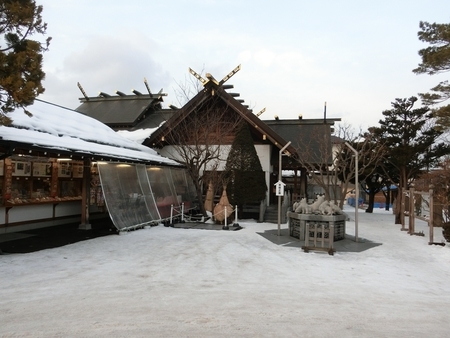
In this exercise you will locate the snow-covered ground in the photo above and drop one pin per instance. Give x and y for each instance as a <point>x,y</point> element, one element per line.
<point>168,282</point>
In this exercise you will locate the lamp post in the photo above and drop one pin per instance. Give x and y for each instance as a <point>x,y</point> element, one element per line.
<point>279,181</point>
<point>356,189</point>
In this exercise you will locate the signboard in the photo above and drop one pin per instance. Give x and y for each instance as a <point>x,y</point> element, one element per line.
<point>43,169</point>
<point>77,169</point>
<point>279,188</point>
<point>21,168</point>
<point>64,169</point>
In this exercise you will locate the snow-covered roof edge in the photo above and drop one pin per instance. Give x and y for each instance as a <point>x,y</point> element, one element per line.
<point>55,127</point>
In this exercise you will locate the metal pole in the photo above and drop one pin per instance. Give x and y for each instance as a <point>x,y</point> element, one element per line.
<point>182,212</point>
<point>431,219</point>
<point>279,180</point>
<point>356,189</point>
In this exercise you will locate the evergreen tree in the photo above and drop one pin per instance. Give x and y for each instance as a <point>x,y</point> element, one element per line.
<point>243,171</point>
<point>21,72</point>
<point>372,178</point>
<point>435,60</point>
<point>372,184</point>
<point>411,142</point>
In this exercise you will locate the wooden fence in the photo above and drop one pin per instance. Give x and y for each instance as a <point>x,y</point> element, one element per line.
<point>420,205</point>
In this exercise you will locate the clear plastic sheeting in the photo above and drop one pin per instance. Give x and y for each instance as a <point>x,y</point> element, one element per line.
<point>147,192</point>
<point>184,187</point>
<point>124,196</point>
<point>160,179</point>
<point>137,195</point>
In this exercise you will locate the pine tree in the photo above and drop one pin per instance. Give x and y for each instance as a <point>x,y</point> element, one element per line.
<point>372,184</point>
<point>411,142</point>
<point>243,171</point>
<point>21,72</point>
<point>435,60</point>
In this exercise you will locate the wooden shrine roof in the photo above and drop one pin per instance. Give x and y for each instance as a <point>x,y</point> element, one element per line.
<point>121,111</point>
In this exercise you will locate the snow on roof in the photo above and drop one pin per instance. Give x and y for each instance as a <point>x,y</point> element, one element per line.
<point>138,135</point>
<point>55,127</point>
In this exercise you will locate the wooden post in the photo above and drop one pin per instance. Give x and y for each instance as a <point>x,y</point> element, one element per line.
<point>7,184</point>
<point>85,196</point>
<point>402,208</point>
<point>411,214</point>
<point>54,179</point>
<point>295,194</point>
<point>303,183</point>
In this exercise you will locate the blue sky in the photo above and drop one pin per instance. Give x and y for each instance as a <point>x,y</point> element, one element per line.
<point>357,56</point>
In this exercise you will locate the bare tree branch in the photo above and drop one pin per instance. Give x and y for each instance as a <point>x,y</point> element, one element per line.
<point>330,163</point>
<point>201,141</point>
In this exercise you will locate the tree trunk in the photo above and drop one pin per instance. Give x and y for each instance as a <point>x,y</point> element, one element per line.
<point>199,192</point>
<point>388,198</point>
<point>201,203</point>
<point>344,190</point>
<point>398,208</point>
<point>371,201</point>
<point>401,188</point>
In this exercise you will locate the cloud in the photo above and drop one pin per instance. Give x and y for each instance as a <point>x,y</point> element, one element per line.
<point>106,64</point>
<point>116,60</point>
<point>264,57</point>
<point>244,56</point>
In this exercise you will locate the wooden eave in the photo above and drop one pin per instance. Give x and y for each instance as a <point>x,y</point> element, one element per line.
<point>110,109</point>
<point>213,89</point>
<point>155,139</point>
<point>10,148</point>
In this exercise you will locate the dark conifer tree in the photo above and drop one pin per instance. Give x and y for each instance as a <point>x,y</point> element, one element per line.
<point>436,60</point>
<point>411,142</point>
<point>243,171</point>
<point>21,72</point>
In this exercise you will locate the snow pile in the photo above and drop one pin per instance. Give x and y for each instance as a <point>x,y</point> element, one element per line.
<point>169,282</point>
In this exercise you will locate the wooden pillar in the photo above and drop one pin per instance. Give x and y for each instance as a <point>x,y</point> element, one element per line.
<point>7,180</point>
<point>85,196</point>
<point>54,179</point>
<point>303,182</point>
<point>7,184</point>
<point>295,192</point>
